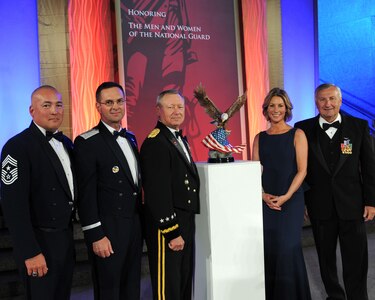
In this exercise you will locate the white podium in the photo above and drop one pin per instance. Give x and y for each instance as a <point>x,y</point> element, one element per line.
<point>229,233</point>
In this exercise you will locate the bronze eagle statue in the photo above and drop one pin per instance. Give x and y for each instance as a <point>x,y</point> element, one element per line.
<point>220,150</point>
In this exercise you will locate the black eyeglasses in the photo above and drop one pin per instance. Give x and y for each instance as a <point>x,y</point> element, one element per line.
<point>110,103</point>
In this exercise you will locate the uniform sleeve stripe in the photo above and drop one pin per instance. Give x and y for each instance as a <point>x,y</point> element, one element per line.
<point>88,227</point>
<point>169,229</point>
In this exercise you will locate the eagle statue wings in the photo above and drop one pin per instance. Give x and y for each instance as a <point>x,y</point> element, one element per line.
<point>219,118</point>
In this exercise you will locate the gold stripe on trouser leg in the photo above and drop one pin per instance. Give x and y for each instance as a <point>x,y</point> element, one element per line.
<point>161,266</point>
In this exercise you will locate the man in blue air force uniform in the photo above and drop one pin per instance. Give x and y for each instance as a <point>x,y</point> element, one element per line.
<point>110,197</point>
<point>37,195</point>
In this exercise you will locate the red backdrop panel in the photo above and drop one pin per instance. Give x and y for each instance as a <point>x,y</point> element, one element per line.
<point>256,63</point>
<point>179,44</point>
<point>91,58</point>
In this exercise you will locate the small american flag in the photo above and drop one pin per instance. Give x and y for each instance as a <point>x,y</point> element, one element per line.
<point>210,142</point>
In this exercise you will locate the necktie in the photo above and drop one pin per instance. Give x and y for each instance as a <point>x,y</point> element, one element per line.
<point>125,146</point>
<point>58,135</point>
<point>334,124</point>
<point>178,134</point>
<point>184,144</point>
<point>122,133</point>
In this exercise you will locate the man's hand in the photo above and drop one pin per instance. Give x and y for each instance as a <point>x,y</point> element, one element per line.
<point>369,213</point>
<point>102,248</point>
<point>177,244</point>
<point>36,266</point>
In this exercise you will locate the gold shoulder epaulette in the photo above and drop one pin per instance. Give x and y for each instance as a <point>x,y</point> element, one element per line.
<point>154,133</point>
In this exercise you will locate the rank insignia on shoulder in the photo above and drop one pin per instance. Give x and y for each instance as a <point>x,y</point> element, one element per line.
<point>9,170</point>
<point>154,133</point>
<point>86,135</point>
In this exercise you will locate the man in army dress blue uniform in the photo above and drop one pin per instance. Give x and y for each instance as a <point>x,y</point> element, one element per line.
<point>171,187</point>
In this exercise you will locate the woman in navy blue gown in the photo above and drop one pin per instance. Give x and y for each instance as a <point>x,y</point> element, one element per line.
<point>282,152</point>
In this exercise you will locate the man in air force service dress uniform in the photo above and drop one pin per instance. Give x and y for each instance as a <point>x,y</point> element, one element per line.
<point>110,198</point>
<point>37,194</point>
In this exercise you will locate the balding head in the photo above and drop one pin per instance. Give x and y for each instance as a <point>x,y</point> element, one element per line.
<point>46,107</point>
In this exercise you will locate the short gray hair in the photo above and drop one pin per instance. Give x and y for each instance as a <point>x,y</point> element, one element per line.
<point>167,92</point>
<point>326,86</point>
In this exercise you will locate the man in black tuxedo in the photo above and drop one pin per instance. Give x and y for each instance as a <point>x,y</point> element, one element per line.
<point>171,187</point>
<point>341,194</point>
<point>37,193</point>
<point>109,186</point>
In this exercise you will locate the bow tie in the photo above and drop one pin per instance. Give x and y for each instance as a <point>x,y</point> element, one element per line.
<point>58,135</point>
<point>334,124</point>
<point>122,133</point>
<point>178,134</point>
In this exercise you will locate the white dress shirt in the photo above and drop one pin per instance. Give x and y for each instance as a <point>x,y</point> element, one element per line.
<point>128,152</point>
<point>332,130</point>
<point>181,142</point>
<point>63,155</point>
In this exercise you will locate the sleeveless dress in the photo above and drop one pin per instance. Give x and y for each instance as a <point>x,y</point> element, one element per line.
<point>285,270</point>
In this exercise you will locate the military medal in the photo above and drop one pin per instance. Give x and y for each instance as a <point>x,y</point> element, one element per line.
<point>115,169</point>
<point>346,146</point>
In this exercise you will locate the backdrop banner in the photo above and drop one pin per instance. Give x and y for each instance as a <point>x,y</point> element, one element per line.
<point>179,44</point>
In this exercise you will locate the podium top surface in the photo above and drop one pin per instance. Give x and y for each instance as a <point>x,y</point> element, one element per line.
<point>203,164</point>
